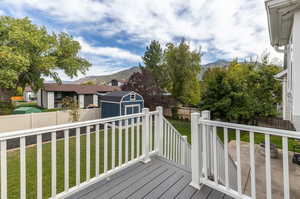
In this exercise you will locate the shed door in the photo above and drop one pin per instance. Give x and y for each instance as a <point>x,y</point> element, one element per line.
<point>132,109</point>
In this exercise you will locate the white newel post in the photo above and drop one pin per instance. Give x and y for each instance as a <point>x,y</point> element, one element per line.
<point>196,150</point>
<point>209,140</point>
<point>159,130</point>
<point>146,140</point>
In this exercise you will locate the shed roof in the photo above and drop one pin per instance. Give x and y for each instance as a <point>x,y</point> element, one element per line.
<point>115,96</point>
<point>79,89</point>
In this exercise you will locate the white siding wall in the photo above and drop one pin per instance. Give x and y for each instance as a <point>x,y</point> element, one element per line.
<point>50,100</point>
<point>296,70</point>
<point>81,101</point>
<point>95,100</point>
<point>39,98</point>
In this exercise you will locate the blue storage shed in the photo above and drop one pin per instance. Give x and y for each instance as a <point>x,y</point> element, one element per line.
<point>119,103</point>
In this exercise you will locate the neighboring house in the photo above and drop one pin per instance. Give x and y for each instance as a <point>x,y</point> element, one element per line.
<point>115,82</point>
<point>51,95</point>
<point>284,29</point>
<point>121,103</point>
<point>29,95</point>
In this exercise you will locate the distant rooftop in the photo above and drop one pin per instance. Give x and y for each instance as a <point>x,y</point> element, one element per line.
<point>80,89</point>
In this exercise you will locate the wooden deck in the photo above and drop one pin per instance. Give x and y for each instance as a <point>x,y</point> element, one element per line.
<point>159,178</point>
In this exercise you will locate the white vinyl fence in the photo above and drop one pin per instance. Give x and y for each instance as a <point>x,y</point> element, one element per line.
<point>37,120</point>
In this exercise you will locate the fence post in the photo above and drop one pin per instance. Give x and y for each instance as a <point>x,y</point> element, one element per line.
<point>159,130</point>
<point>146,144</point>
<point>183,151</point>
<point>196,150</point>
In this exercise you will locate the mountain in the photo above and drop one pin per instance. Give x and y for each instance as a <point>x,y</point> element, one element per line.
<point>218,63</point>
<point>125,74</point>
<point>102,79</point>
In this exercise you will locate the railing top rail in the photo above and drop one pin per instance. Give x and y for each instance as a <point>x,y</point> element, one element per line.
<point>36,131</point>
<point>256,129</point>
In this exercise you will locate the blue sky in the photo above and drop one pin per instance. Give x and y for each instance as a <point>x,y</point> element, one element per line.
<point>114,33</point>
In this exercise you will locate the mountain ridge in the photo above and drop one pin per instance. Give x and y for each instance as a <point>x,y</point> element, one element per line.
<point>125,74</point>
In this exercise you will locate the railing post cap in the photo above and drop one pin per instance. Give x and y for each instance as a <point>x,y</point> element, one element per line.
<point>159,108</point>
<point>146,110</point>
<point>195,114</point>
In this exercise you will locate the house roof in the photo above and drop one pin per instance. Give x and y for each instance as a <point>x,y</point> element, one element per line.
<point>79,89</point>
<point>28,89</point>
<point>280,20</point>
<point>115,96</point>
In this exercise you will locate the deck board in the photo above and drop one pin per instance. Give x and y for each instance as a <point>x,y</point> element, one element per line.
<point>159,178</point>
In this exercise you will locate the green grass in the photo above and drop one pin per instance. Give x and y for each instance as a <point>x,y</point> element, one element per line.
<point>184,127</point>
<point>14,162</point>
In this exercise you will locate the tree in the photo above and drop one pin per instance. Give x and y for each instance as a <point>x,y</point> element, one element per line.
<point>183,68</point>
<point>89,82</point>
<point>71,105</point>
<point>242,91</point>
<point>28,53</point>
<point>153,60</point>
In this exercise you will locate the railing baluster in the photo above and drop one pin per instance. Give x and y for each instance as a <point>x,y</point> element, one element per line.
<point>39,166</point>
<point>53,164</point>
<point>138,137</point>
<point>216,177</point>
<point>150,132</point>
<point>252,165</point>
<point>268,166</point>
<point>66,159</point>
<point>204,143</point>
<point>238,160</point>
<point>105,148</point>
<point>226,157</point>
<point>165,138</point>
<point>88,152</point>
<point>285,159</point>
<point>77,156</point>
<point>132,138</point>
<point>3,170</point>
<point>126,141</point>
<point>23,167</point>
<point>120,142</point>
<point>113,145</point>
<point>97,150</point>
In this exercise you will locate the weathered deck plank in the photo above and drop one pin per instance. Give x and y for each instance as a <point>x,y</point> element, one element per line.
<point>159,178</point>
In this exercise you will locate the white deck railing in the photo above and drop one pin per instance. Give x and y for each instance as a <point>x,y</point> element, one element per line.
<point>109,145</point>
<point>175,146</point>
<point>202,128</point>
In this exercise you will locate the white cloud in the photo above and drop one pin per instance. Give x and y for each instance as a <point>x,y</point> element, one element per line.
<point>111,52</point>
<point>236,28</point>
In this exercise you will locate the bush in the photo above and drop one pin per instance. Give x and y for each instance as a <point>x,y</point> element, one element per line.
<point>6,107</point>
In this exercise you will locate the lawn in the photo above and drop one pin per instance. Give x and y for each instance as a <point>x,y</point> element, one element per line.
<point>14,162</point>
<point>184,127</point>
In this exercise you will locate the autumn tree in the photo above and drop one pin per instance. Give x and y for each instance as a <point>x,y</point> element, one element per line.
<point>28,53</point>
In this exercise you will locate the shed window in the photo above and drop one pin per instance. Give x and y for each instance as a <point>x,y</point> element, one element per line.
<point>132,97</point>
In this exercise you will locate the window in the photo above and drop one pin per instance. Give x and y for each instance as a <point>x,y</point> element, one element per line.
<point>132,97</point>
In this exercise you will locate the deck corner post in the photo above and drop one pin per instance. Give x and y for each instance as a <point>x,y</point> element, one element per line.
<point>159,133</point>
<point>196,151</point>
<point>146,137</point>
